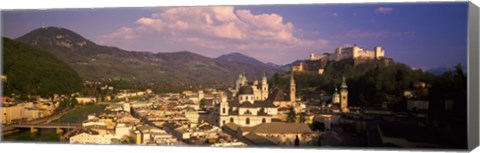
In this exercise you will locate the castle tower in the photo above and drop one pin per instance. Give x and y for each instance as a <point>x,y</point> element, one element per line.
<point>343,96</point>
<point>264,87</point>
<point>292,89</point>
<point>379,52</point>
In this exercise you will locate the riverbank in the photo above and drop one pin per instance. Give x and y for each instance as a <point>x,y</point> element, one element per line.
<point>74,115</point>
<point>80,113</point>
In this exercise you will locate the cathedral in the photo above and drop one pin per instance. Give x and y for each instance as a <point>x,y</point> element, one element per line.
<point>260,91</point>
<point>249,106</point>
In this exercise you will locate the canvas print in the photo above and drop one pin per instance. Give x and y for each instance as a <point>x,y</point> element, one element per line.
<point>376,75</point>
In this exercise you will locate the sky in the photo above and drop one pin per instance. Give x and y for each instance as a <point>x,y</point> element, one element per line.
<point>422,35</point>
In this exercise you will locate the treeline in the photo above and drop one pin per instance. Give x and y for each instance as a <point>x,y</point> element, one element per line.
<point>33,71</point>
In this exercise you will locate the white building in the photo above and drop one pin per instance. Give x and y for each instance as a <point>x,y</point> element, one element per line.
<point>260,91</point>
<point>86,100</point>
<point>26,111</point>
<point>245,109</point>
<point>352,52</point>
<point>87,138</point>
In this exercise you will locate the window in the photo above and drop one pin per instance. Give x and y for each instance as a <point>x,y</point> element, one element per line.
<point>263,120</point>
<point>223,122</point>
<point>231,120</point>
<point>247,121</point>
<point>223,110</point>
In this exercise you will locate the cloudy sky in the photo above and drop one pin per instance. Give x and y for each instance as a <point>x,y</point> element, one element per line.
<point>422,35</point>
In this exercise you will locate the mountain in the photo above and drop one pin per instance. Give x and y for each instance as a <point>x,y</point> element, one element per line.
<point>240,58</point>
<point>34,71</point>
<point>273,65</point>
<point>95,62</point>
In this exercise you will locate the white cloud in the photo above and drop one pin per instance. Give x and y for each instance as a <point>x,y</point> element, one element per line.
<point>218,28</point>
<point>124,33</point>
<point>384,10</point>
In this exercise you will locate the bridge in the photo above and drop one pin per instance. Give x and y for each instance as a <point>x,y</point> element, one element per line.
<point>48,126</point>
<point>58,126</point>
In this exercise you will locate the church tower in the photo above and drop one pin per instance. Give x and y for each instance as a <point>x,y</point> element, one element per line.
<point>238,83</point>
<point>292,89</point>
<point>343,96</point>
<point>264,87</point>
<point>336,97</point>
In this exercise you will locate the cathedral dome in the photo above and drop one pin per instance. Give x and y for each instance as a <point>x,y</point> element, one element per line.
<point>245,90</point>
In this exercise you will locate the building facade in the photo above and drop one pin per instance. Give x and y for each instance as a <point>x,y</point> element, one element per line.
<point>260,90</point>
<point>245,109</point>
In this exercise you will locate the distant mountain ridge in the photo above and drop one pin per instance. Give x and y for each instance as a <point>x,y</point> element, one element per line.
<point>241,58</point>
<point>96,62</point>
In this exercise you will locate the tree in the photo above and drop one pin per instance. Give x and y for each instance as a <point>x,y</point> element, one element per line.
<point>74,101</point>
<point>302,118</point>
<point>203,102</point>
<point>292,116</point>
<point>127,140</point>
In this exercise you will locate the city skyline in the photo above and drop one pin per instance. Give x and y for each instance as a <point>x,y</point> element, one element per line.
<point>347,75</point>
<point>409,33</point>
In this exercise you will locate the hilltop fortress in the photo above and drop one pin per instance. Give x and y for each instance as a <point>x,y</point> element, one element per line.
<point>353,52</point>
<point>318,62</point>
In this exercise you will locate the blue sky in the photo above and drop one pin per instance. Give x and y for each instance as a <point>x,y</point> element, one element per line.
<point>422,35</point>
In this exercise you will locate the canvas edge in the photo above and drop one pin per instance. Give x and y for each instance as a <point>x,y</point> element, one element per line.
<point>473,76</point>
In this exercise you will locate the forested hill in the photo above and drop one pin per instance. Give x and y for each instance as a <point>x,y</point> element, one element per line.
<point>34,71</point>
<point>374,82</point>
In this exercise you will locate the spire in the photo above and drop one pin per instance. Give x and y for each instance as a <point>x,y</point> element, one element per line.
<point>264,77</point>
<point>344,84</point>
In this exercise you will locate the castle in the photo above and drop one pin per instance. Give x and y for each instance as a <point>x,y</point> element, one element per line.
<point>317,62</point>
<point>353,52</point>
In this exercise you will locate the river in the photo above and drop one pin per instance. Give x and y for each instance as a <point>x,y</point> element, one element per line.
<point>77,115</point>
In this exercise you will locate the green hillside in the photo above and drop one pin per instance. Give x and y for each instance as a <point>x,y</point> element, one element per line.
<point>374,82</point>
<point>33,71</point>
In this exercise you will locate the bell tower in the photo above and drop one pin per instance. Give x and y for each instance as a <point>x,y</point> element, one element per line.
<point>292,89</point>
<point>343,96</point>
<point>264,87</point>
